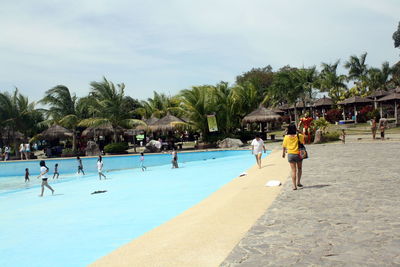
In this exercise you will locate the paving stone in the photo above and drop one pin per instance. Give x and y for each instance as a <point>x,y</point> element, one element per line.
<point>347,214</point>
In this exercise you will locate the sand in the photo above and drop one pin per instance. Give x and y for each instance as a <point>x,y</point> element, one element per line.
<point>205,234</point>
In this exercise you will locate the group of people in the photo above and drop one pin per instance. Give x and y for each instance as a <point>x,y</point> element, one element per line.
<point>382,125</point>
<point>44,169</point>
<point>24,150</point>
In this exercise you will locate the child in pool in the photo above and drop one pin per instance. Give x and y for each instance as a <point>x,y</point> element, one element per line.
<point>56,171</point>
<point>142,162</point>
<point>26,175</point>
<point>80,165</point>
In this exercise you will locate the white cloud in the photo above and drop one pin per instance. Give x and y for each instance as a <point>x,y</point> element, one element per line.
<point>157,45</point>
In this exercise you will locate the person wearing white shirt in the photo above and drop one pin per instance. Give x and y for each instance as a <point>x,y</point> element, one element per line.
<point>257,147</point>
<point>100,168</point>
<point>43,174</point>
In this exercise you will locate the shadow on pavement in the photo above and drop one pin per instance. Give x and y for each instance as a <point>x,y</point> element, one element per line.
<point>316,186</point>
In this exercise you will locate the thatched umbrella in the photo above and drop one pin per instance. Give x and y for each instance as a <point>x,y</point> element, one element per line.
<point>148,122</point>
<point>394,97</point>
<point>260,116</point>
<point>167,123</point>
<point>102,130</point>
<point>354,100</point>
<point>56,132</point>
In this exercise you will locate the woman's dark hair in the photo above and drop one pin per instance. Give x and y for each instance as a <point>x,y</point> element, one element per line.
<point>258,136</point>
<point>43,164</point>
<point>78,157</point>
<point>100,158</point>
<point>141,153</point>
<point>291,129</point>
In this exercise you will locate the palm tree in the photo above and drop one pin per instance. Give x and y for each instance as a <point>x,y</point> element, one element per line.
<point>246,98</point>
<point>196,105</point>
<point>108,104</point>
<point>159,106</point>
<point>358,70</point>
<point>378,78</point>
<point>64,109</point>
<point>18,114</point>
<point>333,83</point>
<point>226,107</point>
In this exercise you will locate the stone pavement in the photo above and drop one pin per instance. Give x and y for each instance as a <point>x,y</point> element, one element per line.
<point>348,213</point>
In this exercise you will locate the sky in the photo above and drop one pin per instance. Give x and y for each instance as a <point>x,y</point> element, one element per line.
<point>170,45</point>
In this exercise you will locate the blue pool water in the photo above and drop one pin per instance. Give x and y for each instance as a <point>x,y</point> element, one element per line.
<point>74,227</point>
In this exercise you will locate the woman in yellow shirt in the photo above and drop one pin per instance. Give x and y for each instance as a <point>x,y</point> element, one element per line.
<point>290,146</point>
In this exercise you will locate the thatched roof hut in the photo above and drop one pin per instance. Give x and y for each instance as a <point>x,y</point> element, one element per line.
<point>261,114</point>
<point>167,123</point>
<point>355,100</point>
<point>55,132</point>
<point>379,94</point>
<point>390,97</point>
<point>323,102</point>
<point>102,130</point>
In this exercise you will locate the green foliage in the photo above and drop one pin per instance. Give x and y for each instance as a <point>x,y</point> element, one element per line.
<point>260,78</point>
<point>374,114</point>
<point>333,83</point>
<point>331,136</point>
<point>321,124</point>
<point>396,37</point>
<point>116,148</point>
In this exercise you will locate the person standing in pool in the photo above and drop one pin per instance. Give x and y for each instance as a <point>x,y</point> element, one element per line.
<point>290,146</point>
<point>174,159</point>
<point>43,174</point>
<point>257,147</point>
<point>26,175</point>
<point>56,171</point>
<point>80,165</point>
<point>100,167</point>
<point>142,162</point>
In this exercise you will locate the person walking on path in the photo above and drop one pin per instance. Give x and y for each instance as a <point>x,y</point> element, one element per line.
<point>26,175</point>
<point>80,165</point>
<point>27,150</point>
<point>383,122</point>
<point>373,128</point>
<point>290,146</point>
<point>142,162</point>
<point>56,171</point>
<point>6,153</point>
<point>100,168</point>
<point>43,174</point>
<point>22,150</point>
<point>257,147</point>
<point>174,159</point>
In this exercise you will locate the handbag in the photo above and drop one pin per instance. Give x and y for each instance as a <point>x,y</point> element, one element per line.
<point>302,149</point>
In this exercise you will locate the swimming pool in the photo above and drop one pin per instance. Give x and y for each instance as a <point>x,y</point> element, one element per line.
<point>74,227</point>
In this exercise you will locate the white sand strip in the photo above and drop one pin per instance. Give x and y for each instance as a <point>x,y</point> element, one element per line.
<point>205,234</point>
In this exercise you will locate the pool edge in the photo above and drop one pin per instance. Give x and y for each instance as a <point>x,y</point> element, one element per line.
<point>206,233</point>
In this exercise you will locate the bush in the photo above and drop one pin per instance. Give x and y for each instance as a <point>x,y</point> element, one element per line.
<point>117,148</point>
<point>363,116</point>
<point>331,136</point>
<point>321,124</point>
<point>334,115</point>
<point>68,152</point>
<point>374,114</point>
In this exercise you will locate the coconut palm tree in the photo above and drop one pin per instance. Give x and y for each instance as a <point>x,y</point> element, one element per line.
<point>159,106</point>
<point>64,109</point>
<point>246,98</point>
<point>196,105</point>
<point>108,104</point>
<point>18,114</point>
<point>358,70</point>
<point>378,78</point>
<point>332,82</point>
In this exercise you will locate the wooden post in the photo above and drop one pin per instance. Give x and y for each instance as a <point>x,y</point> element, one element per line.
<point>381,111</point>
<point>344,113</point>
<point>395,110</point>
